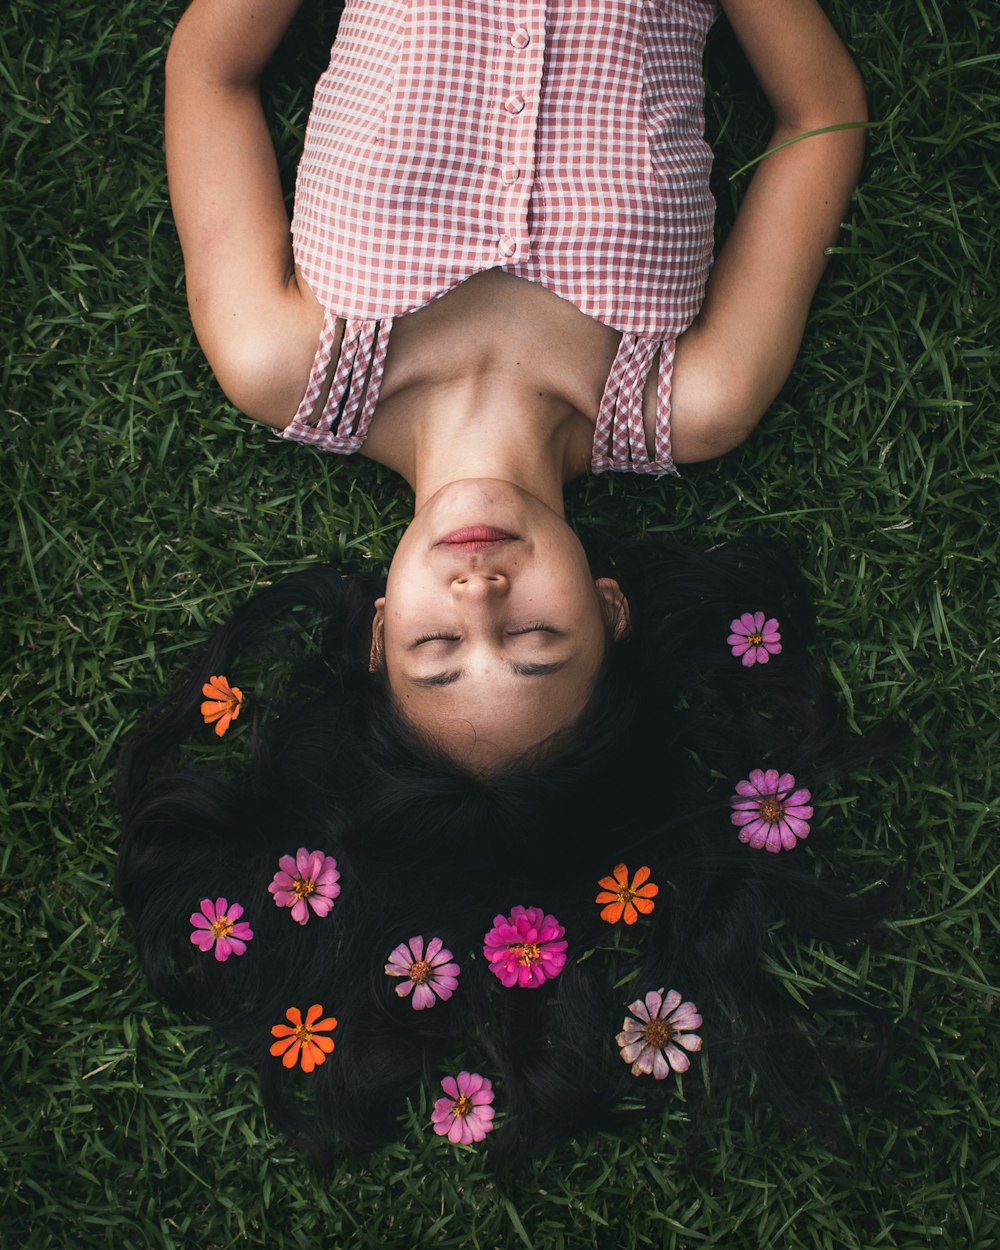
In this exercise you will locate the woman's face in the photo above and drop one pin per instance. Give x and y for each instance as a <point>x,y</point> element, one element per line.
<point>492,630</point>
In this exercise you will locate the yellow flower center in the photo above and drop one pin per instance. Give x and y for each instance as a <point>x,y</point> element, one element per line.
<point>527,953</point>
<point>657,1033</point>
<point>625,894</point>
<point>222,926</point>
<point>303,1034</point>
<point>771,809</point>
<point>303,887</point>
<point>420,972</point>
<point>755,639</point>
<point>463,1105</point>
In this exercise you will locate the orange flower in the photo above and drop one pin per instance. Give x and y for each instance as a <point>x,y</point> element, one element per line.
<point>222,703</point>
<point>625,899</point>
<point>303,1037</point>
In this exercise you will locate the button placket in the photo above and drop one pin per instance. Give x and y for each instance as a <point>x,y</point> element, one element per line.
<point>521,105</point>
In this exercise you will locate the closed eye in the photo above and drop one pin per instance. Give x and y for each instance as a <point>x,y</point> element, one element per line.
<point>511,633</point>
<point>534,629</point>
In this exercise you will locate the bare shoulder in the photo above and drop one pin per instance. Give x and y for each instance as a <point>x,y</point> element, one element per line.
<point>261,350</point>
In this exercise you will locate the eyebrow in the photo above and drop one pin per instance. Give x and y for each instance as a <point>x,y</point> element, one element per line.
<point>449,676</point>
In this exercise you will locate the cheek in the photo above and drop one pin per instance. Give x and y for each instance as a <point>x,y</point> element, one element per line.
<point>572,598</point>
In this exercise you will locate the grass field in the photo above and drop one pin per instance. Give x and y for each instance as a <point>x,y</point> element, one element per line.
<point>140,507</point>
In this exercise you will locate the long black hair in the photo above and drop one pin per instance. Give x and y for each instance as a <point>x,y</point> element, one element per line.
<point>322,760</point>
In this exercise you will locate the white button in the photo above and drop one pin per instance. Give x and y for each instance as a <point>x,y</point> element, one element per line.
<point>514,103</point>
<point>509,174</point>
<point>506,247</point>
<point>520,38</point>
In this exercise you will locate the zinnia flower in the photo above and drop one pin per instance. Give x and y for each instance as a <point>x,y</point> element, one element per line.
<point>524,948</point>
<point>771,812</point>
<point>303,1038</point>
<point>624,899</point>
<point>222,703</point>
<point>652,1036</point>
<point>309,880</point>
<point>216,925</point>
<point>754,638</point>
<point>426,974</point>
<point>466,1114</point>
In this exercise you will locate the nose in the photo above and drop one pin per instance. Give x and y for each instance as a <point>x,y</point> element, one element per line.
<point>480,587</point>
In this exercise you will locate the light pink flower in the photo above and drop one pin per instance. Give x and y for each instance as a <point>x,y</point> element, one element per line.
<point>754,638</point>
<point>309,880</point>
<point>466,1114</point>
<point>427,973</point>
<point>216,925</point>
<point>771,813</point>
<point>652,1037</point>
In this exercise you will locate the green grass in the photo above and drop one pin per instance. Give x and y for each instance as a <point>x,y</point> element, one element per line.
<point>140,508</point>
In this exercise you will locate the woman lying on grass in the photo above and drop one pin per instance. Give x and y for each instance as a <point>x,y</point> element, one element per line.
<point>512,744</point>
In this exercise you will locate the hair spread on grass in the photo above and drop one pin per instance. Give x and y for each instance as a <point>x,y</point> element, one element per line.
<point>425,848</point>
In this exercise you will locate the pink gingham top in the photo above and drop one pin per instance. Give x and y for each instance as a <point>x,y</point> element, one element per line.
<point>558,140</point>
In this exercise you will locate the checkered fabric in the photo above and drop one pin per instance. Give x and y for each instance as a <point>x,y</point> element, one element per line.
<point>559,140</point>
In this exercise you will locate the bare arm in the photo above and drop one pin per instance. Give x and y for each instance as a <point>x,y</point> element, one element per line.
<point>734,359</point>
<point>257,325</point>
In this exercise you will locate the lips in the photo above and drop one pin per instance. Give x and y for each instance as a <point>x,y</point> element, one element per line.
<point>476,538</point>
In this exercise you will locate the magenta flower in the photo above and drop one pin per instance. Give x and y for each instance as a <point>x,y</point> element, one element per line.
<point>309,880</point>
<point>754,638</point>
<point>466,1115</point>
<point>218,924</point>
<point>652,1037</point>
<point>771,813</point>
<point>427,973</point>
<point>524,948</point>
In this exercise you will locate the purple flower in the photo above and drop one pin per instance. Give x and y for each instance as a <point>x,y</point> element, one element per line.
<point>771,813</point>
<point>428,973</point>
<point>466,1114</point>
<point>754,638</point>
<point>524,948</point>
<point>652,1037</point>
<point>216,925</point>
<point>309,880</point>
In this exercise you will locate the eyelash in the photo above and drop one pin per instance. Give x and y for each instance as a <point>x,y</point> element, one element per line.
<point>537,628</point>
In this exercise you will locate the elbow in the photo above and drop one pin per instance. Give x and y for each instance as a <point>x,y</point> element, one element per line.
<point>852,101</point>
<point>836,98</point>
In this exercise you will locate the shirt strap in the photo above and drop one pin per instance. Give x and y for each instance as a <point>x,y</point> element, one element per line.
<point>619,436</point>
<point>343,423</point>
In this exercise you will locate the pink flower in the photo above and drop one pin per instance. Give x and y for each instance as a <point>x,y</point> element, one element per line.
<point>754,638</point>
<point>650,1042</point>
<point>216,925</point>
<point>427,973</point>
<point>309,880</point>
<point>524,947</point>
<point>466,1114</point>
<point>769,813</point>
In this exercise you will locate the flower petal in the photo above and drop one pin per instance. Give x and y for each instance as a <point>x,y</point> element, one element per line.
<point>677,1059</point>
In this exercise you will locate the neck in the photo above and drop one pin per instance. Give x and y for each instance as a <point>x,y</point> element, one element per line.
<point>477,428</point>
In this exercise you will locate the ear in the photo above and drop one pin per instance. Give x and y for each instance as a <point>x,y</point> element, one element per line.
<point>616,607</point>
<point>378,627</point>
